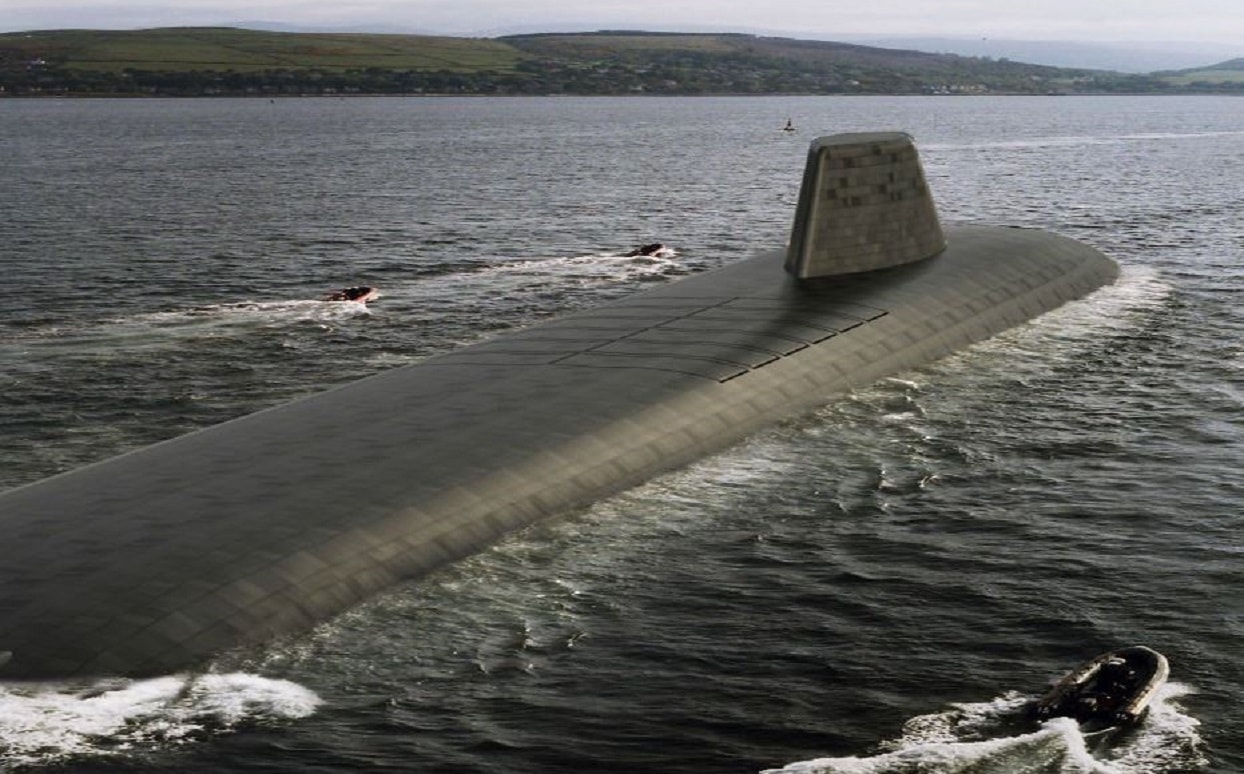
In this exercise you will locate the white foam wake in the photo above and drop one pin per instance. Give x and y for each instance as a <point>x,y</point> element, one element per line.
<point>957,741</point>
<point>252,313</point>
<point>46,723</point>
<point>616,267</point>
<point>172,329</point>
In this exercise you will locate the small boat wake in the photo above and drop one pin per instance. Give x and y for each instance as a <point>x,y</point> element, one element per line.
<point>45,724</point>
<point>174,327</point>
<point>971,738</point>
<point>249,314</point>
<point>644,261</point>
<point>558,275</point>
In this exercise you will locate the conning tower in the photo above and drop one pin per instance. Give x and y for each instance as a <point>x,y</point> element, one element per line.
<point>864,205</point>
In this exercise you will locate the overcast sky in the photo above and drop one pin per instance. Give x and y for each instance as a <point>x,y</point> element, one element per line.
<point>1220,21</point>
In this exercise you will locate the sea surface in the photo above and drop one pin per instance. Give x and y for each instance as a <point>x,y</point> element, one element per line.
<point>877,586</point>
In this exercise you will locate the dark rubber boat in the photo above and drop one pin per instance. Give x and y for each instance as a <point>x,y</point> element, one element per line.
<point>360,294</point>
<point>1111,691</point>
<point>654,250</point>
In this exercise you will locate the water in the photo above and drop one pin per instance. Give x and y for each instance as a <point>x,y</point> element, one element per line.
<point>875,587</point>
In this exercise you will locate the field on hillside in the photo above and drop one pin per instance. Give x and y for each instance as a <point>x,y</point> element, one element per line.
<point>223,49</point>
<point>1205,76</point>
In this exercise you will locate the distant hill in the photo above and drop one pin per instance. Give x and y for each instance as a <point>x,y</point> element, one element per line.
<point>1145,57</point>
<point>216,61</point>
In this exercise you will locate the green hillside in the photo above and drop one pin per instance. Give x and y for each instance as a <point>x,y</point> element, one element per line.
<point>636,46</point>
<point>226,61</point>
<point>733,63</point>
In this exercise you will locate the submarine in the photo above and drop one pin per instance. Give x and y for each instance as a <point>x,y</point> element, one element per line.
<point>153,561</point>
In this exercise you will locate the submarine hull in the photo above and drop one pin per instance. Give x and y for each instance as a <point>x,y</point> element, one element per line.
<point>269,524</point>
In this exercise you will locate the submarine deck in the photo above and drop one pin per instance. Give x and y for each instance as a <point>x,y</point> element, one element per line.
<point>155,560</point>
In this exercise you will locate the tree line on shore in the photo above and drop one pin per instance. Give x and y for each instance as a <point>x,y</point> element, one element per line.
<point>532,79</point>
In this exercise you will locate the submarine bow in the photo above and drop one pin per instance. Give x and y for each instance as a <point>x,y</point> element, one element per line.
<point>271,523</point>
